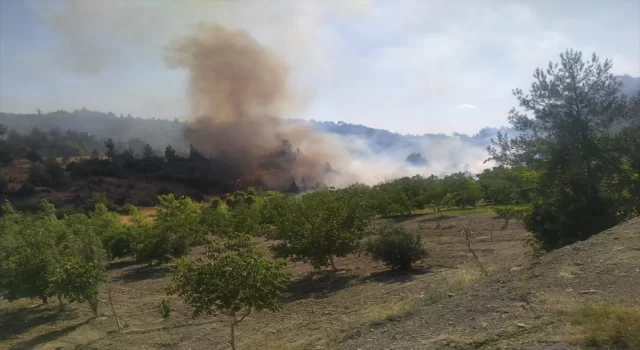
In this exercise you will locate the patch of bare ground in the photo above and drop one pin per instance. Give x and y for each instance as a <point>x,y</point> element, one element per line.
<point>362,306</point>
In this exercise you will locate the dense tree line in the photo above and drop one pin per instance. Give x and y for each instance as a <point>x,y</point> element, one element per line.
<point>38,144</point>
<point>193,169</point>
<point>123,129</point>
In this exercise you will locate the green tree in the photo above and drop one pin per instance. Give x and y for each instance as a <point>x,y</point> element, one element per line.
<point>110,148</point>
<point>572,108</point>
<point>148,152</point>
<point>117,240</point>
<point>320,226</point>
<point>503,185</point>
<point>176,227</point>
<point>78,281</point>
<point>436,197</point>
<point>233,278</point>
<point>170,153</point>
<point>29,252</point>
<point>463,189</point>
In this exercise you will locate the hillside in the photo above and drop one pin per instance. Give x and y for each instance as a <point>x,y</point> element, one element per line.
<point>630,85</point>
<point>522,309</point>
<point>159,132</point>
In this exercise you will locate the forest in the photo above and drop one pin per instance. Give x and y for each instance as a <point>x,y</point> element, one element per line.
<point>572,170</point>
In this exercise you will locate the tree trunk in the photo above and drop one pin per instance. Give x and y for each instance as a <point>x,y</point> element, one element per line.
<point>233,333</point>
<point>61,303</point>
<point>45,300</point>
<point>93,304</point>
<point>333,264</point>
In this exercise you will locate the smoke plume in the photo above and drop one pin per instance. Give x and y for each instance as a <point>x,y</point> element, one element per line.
<point>238,92</point>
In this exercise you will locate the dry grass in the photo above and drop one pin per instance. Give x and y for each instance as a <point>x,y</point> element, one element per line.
<point>480,209</point>
<point>606,326</point>
<point>384,311</point>
<point>147,212</point>
<point>459,280</point>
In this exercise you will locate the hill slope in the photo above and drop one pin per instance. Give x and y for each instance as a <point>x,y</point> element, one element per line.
<point>523,309</point>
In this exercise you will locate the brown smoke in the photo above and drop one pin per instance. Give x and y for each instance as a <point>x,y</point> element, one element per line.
<point>238,90</point>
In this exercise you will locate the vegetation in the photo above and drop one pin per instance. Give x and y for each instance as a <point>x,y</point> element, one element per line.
<point>569,139</point>
<point>42,256</point>
<point>176,227</point>
<point>395,246</point>
<point>572,170</point>
<point>320,226</point>
<point>38,144</point>
<point>233,278</point>
<point>608,326</point>
<point>508,212</point>
<point>508,185</point>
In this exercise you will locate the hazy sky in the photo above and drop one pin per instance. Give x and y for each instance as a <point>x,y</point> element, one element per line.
<point>414,67</point>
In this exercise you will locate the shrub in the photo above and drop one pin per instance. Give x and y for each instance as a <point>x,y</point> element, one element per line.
<point>395,246</point>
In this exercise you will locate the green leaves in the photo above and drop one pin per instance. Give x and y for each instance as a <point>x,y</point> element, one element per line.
<point>77,281</point>
<point>568,123</point>
<point>176,227</point>
<point>503,186</point>
<point>319,226</point>
<point>233,277</point>
<point>508,212</point>
<point>395,246</point>
<point>41,256</point>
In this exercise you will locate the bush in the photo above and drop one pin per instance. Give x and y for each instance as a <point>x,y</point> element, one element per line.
<point>395,246</point>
